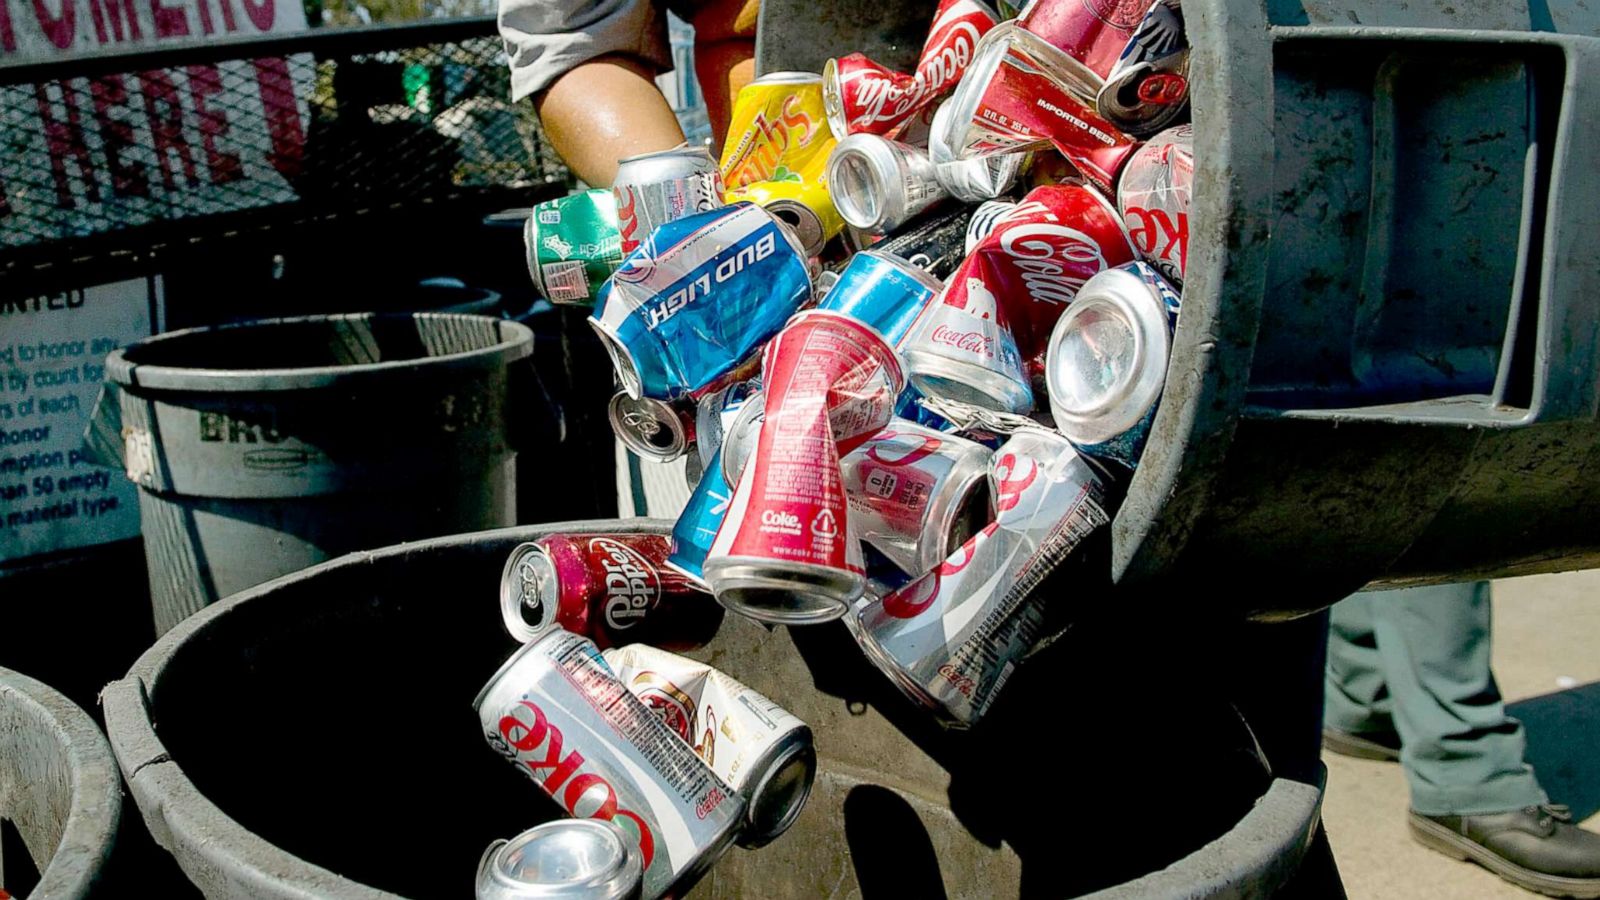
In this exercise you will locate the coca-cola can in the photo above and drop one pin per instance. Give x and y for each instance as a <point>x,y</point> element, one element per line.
<point>863,97</point>
<point>1037,258</point>
<point>878,184</point>
<point>1107,361</point>
<point>1148,88</point>
<point>917,494</point>
<point>786,553</point>
<point>952,638</point>
<point>657,430</point>
<point>653,189</point>
<point>759,748</point>
<point>961,349</point>
<point>557,712</point>
<point>1154,199</point>
<point>1092,33</point>
<point>882,291</point>
<point>614,588</point>
<point>591,859</point>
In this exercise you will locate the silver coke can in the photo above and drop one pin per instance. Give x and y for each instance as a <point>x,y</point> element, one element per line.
<point>557,712</point>
<point>878,184</point>
<point>764,751</point>
<point>575,859</point>
<point>917,494</point>
<point>951,639</point>
<point>1106,363</point>
<point>657,430</point>
<point>653,189</point>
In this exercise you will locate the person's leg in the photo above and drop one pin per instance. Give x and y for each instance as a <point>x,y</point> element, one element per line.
<point>603,110</point>
<point>1462,754</point>
<point>724,57</point>
<point>1357,698</point>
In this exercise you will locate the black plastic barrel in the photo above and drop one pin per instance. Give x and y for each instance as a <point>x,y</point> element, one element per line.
<point>1385,368</point>
<point>316,736</point>
<point>267,447</point>
<point>60,794</point>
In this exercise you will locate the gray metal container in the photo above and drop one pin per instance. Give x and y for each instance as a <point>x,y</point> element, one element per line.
<point>357,769</point>
<point>266,447</point>
<point>59,787</point>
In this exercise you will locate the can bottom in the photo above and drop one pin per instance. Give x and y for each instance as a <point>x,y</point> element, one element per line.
<point>936,376</point>
<point>776,800</point>
<point>782,593</point>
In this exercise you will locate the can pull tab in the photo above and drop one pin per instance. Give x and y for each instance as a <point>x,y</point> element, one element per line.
<point>102,437</point>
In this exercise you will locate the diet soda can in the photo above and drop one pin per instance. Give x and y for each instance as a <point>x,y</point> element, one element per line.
<point>614,588</point>
<point>652,189</point>
<point>1154,196</point>
<point>557,712</point>
<point>753,744</point>
<point>878,184</point>
<point>578,859</point>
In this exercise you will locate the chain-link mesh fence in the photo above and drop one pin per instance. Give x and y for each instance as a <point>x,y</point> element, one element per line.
<point>107,151</point>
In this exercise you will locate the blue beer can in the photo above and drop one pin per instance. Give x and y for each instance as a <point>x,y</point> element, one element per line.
<point>883,291</point>
<point>697,526</point>
<point>699,297</point>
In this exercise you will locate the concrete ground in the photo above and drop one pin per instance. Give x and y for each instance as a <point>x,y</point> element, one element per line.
<point>1547,659</point>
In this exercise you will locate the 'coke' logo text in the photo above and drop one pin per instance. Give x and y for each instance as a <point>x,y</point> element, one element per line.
<point>627,218</point>
<point>581,788</point>
<point>1158,237</point>
<point>632,585</point>
<point>972,342</point>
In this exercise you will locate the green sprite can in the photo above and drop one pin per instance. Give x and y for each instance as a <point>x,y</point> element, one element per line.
<point>573,246</point>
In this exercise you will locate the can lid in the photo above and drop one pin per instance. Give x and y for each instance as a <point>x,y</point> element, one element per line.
<point>580,858</point>
<point>649,427</point>
<point>739,438</point>
<point>683,149</point>
<point>833,100</point>
<point>803,221</point>
<point>530,592</point>
<point>789,78</point>
<point>778,797</point>
<point>862,176</point>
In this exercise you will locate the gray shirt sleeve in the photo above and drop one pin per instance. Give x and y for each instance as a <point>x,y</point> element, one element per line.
<point>546,38</point>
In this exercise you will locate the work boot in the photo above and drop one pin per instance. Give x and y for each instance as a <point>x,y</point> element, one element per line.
<point>1537,847</point>
<point>1383,746</point>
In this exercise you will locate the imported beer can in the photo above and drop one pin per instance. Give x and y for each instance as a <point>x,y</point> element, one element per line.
<point>759,748</point>
<point>878,184</point>
<point>1153,197</point>
<point>581,859</point>
<point>778,127</point>
<point>699,298</point>
<point>657,430</point>
<point>1107,361</point>
<point>951,639</point>
<point>573,246</point>
<point>557,712</point>
<point>1147,89</point>
<point>917,494</point>
<point>614,588</point>
<point>652,189</point>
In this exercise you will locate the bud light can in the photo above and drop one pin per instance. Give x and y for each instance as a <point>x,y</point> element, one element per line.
<point>699,298</point>
<point>652,189</point>
<point>557,713</point>
<point>882,291</point>
<point>614,588</point>
<point>1106,365</point>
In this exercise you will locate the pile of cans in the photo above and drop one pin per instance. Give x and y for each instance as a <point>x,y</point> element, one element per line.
<point>912,332</point>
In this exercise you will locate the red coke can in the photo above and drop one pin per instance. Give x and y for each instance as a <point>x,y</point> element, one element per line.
<point>612,588</point>
<point>1092,32</point>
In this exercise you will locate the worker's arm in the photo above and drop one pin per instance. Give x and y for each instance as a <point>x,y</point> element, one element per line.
<point>603,110</point>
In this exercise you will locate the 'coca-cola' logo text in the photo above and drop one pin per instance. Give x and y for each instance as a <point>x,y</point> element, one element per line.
<point>1053,260</point>
<point>958,679</point>
<point>584,794</point>
<point>632,585</point>
<point>974,342</point>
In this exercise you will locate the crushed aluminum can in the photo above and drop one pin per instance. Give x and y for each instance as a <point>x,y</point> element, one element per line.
<point>697,526</point>
<point>786,553</point>
<point>613,588</point>
<point>581,859</point>
<point>1094,34</point>
<point>759,748</point>
<point>716,413</point>
<point>878,184</point>
<point>657,430</point>
<point>882,291</point>
<point>557,712</point>
<point>933,242</point>
<point>778,126</point>
<point>1037,258</point>
<point>969,180</point>
<point>1021,93</point>
<point>699,298</point>
<point>984,218</point>
<point>961,348</point>
<point>1154,196</point>
<point>951,639</point>
<point>573,246</point>
<point>862,97</point>
<point>652,189</point>
<point>801,199</point>
<point>1148,88</point>
<point>917,494</point>
<point>1107,361</point>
